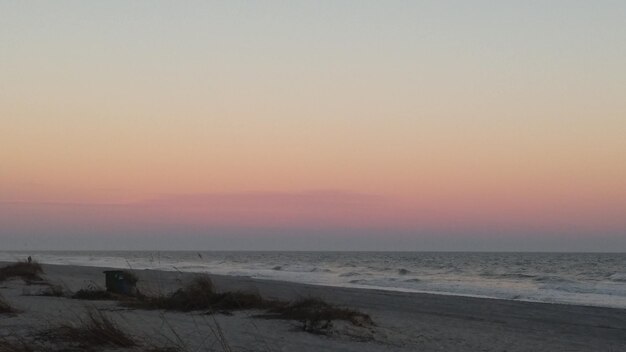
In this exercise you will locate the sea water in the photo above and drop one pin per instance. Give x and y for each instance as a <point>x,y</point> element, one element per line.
<point>597,279</point>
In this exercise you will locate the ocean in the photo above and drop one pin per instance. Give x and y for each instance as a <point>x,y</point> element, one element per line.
<point>596,279</point>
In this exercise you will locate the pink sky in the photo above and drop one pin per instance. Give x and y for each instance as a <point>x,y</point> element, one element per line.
<point>419,119</point>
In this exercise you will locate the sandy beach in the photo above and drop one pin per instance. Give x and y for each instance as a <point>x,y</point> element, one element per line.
<point>403,321</point>
<point>304,176</point>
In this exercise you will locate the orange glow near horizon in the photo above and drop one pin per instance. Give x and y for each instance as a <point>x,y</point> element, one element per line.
<point>392,119</point>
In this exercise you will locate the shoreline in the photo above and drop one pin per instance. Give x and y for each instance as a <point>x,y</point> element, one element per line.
<point>174,269</point>
<point>233,281</point>
<point>538,284</point>
<point>405,321</point>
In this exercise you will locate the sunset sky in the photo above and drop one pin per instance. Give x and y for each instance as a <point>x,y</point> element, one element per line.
<point>392,125</point>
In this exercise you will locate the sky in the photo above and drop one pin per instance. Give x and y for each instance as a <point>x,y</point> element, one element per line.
<point>313,125</point>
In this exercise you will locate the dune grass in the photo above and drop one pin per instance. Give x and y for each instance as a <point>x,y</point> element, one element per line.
<point>93,294</point>
<point>17,345</point>
<point>96,330</point>
<point>161,349</point>
<point>317,315</point>
<point>199,294</point>
<point>22,269</point>
<point>5,307</point>
<point>95,333</point>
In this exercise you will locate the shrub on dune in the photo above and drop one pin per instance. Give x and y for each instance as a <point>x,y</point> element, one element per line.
<point>22,269</point>
<point>199,294</point>
<point>5,307</point>
<point>317,315</point>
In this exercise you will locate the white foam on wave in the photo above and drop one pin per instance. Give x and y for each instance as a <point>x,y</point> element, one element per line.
<point>505,276</point>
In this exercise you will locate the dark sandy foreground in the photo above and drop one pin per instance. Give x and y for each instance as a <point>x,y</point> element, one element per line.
<point>404,321</point>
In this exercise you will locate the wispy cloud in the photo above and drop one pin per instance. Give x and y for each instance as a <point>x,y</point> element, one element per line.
<point>254,199</point>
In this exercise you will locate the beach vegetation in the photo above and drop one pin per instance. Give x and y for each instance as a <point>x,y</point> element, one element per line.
<point>5,307</point>
<point>96,330</point>
<point>200,294</point>
<point>17,345</point>
<point>28,271</point>
<point>161,349</point>
<point>93,294</point>
<point>317,315</point>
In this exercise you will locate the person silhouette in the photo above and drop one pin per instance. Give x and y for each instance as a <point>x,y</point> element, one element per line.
<point>30,260</point>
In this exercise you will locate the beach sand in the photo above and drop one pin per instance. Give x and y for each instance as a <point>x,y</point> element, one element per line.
<point>403,321</point>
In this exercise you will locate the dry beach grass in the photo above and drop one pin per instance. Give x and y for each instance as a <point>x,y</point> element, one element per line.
<point>5,307</point>
<point>95,330</point>
<point>28,271</point>
<point>260,315</point>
